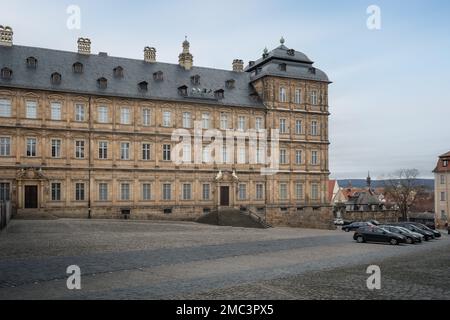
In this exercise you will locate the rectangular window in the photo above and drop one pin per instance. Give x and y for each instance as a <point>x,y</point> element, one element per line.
<point>125,151</point>
<point>31,147</point>
<point>314,158</point>
<point>146,151</point>
<point>283,191</point>
<point>187,153</point>
<point>242,157</point>
<point>186,120</point>
<point>103,191</point>
<point>223,121</point>
<point>259,123</point>
<point>79,149</point>
<point>283,156</point>
<point>206,191</point>
<point>5,108</point>
<point>298,157</point>
<point>166,119</point>
<point>31,110</point>
<point>314,97</point>
<point>443,196</point>
<point>56,191</point>
<point>298,127</point>
<point>442,179</point>
<point>146,191</point>
<point>260,159</point>
<point>283,128</point>
<point>242,191</point>
<point>315,191</point>
<point>445,163</point>
<point>56,148</point>
<point>5,146</point>
<point>166,152</point>
<point>146,117</point>
<point>186,192</point>
<point>79,192</point>
<point>314,128</point>
<point>103,114</point>
<point>55,111</point>
<point>259,191</point>
<point>205,120</point>
<point>297,97</point>
<point>283,97</point>
<point>125,191</point>
<point>79,112</point>
<point>224,154</point>
<point>299,191</point>
<point>167,191</point>
<point>241,123</point>
<point>4,191</point>
<point>103,150</point>
<point>125,116</point>
<point>206,154</point>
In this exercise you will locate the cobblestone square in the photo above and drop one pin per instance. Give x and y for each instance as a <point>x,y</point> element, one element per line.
<point>176,260</point>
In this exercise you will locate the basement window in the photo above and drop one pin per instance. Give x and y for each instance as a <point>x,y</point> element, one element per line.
<point>206,210</point>
<point>283,209</point>
<point>168,211</point>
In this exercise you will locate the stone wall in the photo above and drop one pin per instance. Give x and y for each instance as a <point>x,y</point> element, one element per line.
<point>381,216</point>
<point>306,217</point>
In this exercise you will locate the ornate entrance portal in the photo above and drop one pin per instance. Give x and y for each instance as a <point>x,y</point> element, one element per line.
<point>224,196</point>
<point>226,183</point>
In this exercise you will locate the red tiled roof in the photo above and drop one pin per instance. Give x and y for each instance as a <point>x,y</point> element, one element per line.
<point>331,184</point>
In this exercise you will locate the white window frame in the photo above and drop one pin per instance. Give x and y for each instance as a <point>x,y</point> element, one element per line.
<point>283,156</point>
<point>298,126</point>
<point>283,191</point>
<point>314,128</point>
<point>283,125</point>
<point>5,146</point>
<point>56,148</point>
<point>299,191</point>
<point>314,97</point>
<point>259,123</point>
<point>80,191</point>
<point>31,109</point>
<point>56,109</point>
<point>241,123</point>
<point>223,121</point>
<point>103,191</point>
<point>283,94</point>
<point>314,157</point>
<point>146,151</point>
<point>146,117</point>
<point>259,191</point>
<point>315,194</point>
<point>205,120</point>
<point>31,146</point>
<point>80,112</point>
<point>55,191</point>
<point>167,115</point>
<point>125,150</point>
<point>125,116</point>
<point>242,191</point>
<point>146,191</point>
<point>125,191</point>
<point>167,191</point>
<point>103,114</point>
<point>167,152</point>
<point>206,191</point>
<point>80,149</point>
<point>5,108</point>
<point>103,150</point>
<point>186,191</point>
<point>298,96</point>
<point>298,156</point>
<point>187,120</point>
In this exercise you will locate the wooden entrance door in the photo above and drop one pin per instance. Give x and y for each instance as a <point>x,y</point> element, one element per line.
<point>31,197</point>
<point>225,196</point>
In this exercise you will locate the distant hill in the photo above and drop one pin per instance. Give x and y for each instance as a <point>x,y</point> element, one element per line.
<point>361,183</point>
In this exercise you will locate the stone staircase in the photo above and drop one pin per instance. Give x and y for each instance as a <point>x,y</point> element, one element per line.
<point>234,218</point>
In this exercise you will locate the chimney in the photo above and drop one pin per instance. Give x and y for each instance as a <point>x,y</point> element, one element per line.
<point>149,54</point>
<point>84,46</point>
<point>6,36</point>
<point>186,59</point>
<point>238,65</point>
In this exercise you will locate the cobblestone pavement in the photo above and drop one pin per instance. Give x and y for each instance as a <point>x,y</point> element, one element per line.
<point>175,260</point>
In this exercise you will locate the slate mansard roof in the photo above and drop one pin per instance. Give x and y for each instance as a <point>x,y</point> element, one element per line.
<point>135,71</point>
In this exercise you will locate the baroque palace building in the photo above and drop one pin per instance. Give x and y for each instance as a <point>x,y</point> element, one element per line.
<point>89,135</point>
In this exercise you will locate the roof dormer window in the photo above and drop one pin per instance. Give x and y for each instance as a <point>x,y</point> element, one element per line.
<point>445,163</point>
<point>31,62</point>
<point>195,80</point>
<point>158,76</point>
<point>143,86</point>
<point>183,91</point>
<point>6,73</point>
<point>56,78</point>
<point>77,67</point>
<point>282,66</point>
<point>219,94</point>
<point>102,83</point>
<point>312,70</point>
<point>118,72</point>
<point>230,84</point>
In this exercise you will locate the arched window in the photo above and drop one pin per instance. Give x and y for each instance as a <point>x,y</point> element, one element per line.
<point>6,73</point>
<point>77,67</point>
<point>102,83</point>
<point>31,62</point>
<point>143,86</point>
<point>55,78</point>
<point>182,91</point>
<point>118,72</point>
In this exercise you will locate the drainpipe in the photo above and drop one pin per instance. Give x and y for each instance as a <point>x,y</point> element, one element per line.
<point>90,158</point>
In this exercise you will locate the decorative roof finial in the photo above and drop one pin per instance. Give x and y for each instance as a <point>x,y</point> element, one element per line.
<point>369,180</point>
<point>266,50</point>
<point>282,40</point>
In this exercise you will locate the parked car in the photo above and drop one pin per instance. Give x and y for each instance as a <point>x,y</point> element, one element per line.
<point>376,234</point>
<point>427,234</point>
<point>356,225</point>
<point>436,233</point>
<point>411,237</point>
<point>374,222</point>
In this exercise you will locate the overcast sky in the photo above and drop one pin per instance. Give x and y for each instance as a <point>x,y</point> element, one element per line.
<point>390,97</point>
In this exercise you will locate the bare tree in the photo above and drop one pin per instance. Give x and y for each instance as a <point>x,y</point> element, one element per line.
<point>403,188</point>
